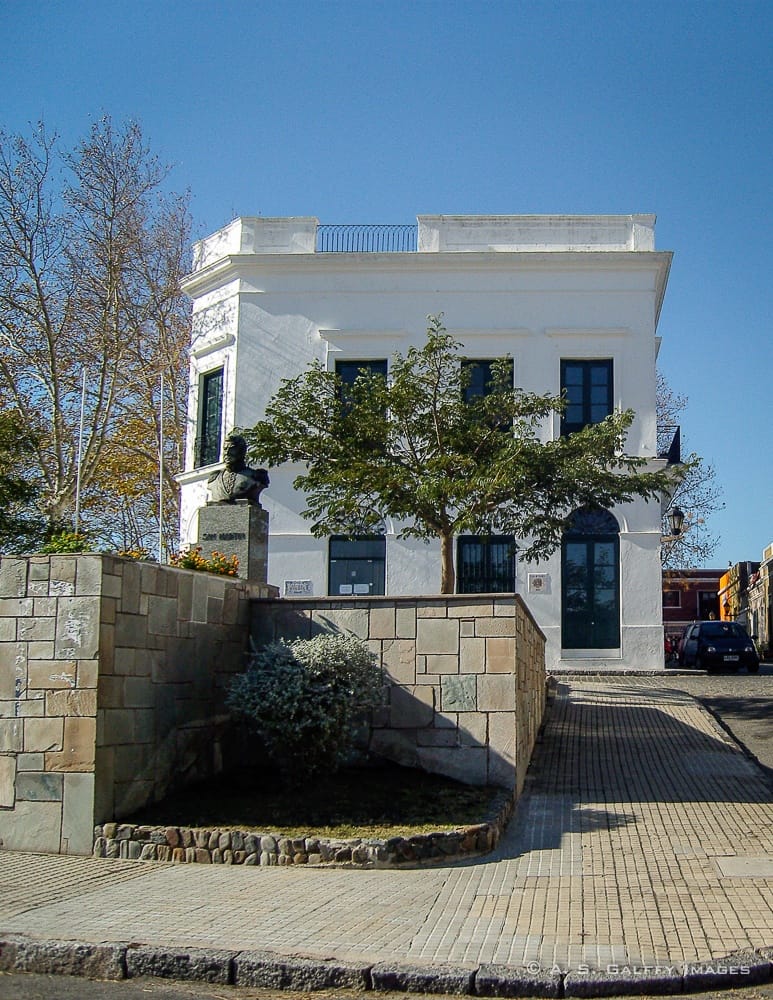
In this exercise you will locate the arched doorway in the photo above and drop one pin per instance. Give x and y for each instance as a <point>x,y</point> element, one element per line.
<point>590,581</point>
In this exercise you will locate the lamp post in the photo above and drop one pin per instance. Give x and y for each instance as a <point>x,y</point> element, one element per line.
<point>676,521</point>
<point>676,518</point>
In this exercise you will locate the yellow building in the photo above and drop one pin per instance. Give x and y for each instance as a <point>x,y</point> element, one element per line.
<point>734,592</point>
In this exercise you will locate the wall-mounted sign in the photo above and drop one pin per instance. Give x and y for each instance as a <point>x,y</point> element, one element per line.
<point>539,583</point>
<point>299,588</point>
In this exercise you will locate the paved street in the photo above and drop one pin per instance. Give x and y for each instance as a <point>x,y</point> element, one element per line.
<point>743,702</point>
<point>28,986</point>
<point>644,839</point>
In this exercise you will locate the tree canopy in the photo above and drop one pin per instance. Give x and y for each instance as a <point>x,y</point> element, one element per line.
<point>417,448</point>
<point>92,250</point>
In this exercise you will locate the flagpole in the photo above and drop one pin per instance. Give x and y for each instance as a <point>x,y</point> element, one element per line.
<point>161,475</point>
<point>80,455</point>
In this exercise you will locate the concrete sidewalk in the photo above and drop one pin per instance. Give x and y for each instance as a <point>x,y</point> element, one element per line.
<point>640,859</point>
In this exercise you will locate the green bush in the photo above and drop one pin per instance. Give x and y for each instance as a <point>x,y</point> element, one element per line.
<point>305,699</point>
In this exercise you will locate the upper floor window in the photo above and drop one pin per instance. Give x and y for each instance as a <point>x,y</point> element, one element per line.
<point>587,387</point>
<point>209,438</point>
<point>480,382</point>
<point>349,371</point>
<point>479,377</point>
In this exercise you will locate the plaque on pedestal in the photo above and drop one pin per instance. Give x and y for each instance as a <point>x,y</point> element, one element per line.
<point>237,529</point>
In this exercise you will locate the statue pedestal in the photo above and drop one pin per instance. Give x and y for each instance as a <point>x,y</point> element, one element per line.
<point>237,529</point>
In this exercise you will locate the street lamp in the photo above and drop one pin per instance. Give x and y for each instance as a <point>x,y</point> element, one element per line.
<point>676,523</point>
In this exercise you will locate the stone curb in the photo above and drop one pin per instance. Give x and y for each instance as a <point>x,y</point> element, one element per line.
<point>63,958</point>
<point>274,971</point>
<point>271,971</point>
<point>197,964</point>
<point>438,978</point>
<point>184,845</point>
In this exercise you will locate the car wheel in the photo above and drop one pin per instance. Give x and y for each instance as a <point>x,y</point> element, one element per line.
<point>753,668</point>
<point>700,665</point>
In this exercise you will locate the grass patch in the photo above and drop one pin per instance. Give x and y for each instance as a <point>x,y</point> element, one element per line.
<point>383,801</point>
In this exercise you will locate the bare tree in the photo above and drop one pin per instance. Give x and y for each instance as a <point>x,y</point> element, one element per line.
<point>697,494</point>
<point>92,251</point>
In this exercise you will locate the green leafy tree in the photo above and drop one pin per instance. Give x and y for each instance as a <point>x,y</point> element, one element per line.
<point>415,449</point>
<point>20,529</point>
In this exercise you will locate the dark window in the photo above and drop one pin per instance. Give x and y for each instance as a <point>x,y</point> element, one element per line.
<point>210,418</point>
<point>590,581</point>
<point>479,375</point>
<point>672,599</point>
<point>348,371</point>
<point>357,565</point>
<point>485,564</point>
<point>479,379</point>
<point>587,387</point>
<point>708,604</point>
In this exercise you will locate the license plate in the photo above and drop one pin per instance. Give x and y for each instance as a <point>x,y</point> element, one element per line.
<point>731,659</point>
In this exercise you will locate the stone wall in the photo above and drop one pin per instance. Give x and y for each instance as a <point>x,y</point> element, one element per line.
<point>112,676</point>
<point>467,671</point>
<point>111,689</point>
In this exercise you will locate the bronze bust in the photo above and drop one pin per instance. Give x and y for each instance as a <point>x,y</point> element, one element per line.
<point>237,481</point>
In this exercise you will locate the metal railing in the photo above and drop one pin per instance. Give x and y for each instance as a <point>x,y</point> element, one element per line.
<point>367,239</point>
<point>670,443</point>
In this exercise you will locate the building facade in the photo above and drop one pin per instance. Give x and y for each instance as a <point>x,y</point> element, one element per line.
<point>573,300</point>
<point>760,603</point>
<point>734,592</point>
<point>689,595</point>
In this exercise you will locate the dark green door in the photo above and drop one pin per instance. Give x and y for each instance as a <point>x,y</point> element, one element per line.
<point>590,584</point>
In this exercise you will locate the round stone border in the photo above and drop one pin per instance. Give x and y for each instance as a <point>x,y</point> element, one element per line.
<point>208,845</point>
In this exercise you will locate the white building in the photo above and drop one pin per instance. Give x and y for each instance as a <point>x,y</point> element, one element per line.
<point>574,300</point>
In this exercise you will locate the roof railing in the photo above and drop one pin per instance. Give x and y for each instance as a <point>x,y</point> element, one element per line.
<point>367,239</point>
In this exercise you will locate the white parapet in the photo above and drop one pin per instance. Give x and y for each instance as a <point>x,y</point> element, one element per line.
<point>257,235</point>
<point>535,233</point>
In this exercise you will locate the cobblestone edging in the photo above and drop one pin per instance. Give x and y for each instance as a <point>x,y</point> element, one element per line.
<point>269,970</point>
<point>248,847</point>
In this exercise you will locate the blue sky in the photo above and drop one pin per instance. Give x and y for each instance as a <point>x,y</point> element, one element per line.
<point>378,111</point>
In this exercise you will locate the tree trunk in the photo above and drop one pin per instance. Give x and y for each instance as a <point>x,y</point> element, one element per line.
<point>447,574</point>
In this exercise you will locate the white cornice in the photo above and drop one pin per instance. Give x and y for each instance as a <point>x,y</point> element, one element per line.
<point>450,260</point>
<point>213,345</point>
<point>233,266</point>
<point>587,331</point>
<point>332,335</point>
<point>197,475</point>
<point>468,335</point>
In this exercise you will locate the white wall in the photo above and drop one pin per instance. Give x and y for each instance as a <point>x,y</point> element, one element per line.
<point>266,315</point>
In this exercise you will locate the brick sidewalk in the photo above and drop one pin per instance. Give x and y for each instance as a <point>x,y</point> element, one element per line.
<point>644,837</point>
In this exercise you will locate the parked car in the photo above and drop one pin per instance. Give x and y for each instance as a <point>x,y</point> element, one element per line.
<point>715,645</point>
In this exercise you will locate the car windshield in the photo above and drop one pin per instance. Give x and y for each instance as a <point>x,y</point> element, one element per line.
<point>722,630</point>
